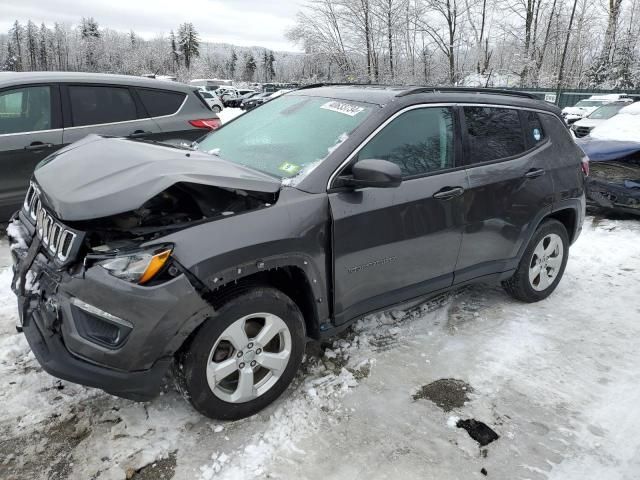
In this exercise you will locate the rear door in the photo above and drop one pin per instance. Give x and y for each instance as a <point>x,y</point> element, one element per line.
<point>510,187</point>
<point>105,110</point>
<point>30,129</point>
<point>392,244</point>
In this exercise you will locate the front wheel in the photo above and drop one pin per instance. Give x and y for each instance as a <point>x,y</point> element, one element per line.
<point>242,359</point>
<point>542,264</point>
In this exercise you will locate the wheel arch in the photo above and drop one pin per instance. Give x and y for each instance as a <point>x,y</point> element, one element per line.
<point>293,276</point>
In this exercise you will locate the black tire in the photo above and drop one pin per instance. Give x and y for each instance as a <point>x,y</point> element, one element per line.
<point>191,364</point>
<point>519,286</point>
<point>216,109</point>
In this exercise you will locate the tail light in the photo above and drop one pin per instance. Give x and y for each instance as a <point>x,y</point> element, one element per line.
<point>585,166</point>
<point>206,123</point>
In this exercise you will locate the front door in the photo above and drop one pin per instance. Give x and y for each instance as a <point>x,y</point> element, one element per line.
<point>393,244</point>
<point>30,129</point>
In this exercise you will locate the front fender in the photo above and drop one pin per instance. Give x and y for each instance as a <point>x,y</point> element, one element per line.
<point>293,232</point>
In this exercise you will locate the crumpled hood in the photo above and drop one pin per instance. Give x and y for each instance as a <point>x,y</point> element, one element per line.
<point>103,176</point>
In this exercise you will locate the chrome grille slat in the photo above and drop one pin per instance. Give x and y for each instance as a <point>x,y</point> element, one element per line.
<point>55,237</point>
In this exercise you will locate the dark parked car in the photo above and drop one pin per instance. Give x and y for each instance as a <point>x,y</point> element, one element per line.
<point>244,95</point>
<point>255,100</point>
<point>41,112</point>
<point>288,222</point>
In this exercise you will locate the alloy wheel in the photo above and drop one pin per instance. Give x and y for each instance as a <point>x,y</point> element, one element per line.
<point>546,262</point>
<point>249,357</point>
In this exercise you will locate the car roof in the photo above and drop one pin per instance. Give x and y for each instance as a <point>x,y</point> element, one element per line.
<point>8,79</point>
<point>385,94</point>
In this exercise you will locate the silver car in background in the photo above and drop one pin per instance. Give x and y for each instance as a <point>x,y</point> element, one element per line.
<point>40,112</point>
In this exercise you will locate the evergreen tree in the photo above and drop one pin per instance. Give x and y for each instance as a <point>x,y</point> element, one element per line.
<point>32,45</point>
<point>16,35</point>
<point>620,73</point>
<point>89,28</point>
<point>272,71</point>
<point>249,68</point>
<point>43,47</point>
<point>231,65</point>
<point>175,55</point>
<point>189,43</point>
<point>10,63</point>
<point>90,33</point>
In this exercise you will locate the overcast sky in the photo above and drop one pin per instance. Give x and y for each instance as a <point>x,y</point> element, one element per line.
<point>240,22</point>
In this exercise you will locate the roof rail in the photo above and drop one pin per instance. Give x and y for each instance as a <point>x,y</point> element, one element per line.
<point>345,84</point>
<point>491,91</point>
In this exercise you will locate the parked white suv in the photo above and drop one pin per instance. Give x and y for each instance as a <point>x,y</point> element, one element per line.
<point>212,100</point>
<point>587,106</point>
<point>583,127</point>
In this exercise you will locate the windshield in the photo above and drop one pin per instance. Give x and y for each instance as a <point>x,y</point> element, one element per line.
<point>287,136</point>
<point>606,111</point>
<point>589,103</point>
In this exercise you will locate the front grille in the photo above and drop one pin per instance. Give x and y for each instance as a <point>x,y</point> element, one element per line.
<point>581,131</point>
<point>56,239</point>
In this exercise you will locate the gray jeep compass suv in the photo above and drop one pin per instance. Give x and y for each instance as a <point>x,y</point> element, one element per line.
<point>41,112</point>
<point>289,222</point>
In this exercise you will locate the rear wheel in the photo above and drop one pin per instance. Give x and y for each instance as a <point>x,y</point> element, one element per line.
<point>242,360</point>
<point>216,109</point>
<point>542,264</point>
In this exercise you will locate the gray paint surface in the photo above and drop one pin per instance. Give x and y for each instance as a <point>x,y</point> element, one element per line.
<point>120,175</point>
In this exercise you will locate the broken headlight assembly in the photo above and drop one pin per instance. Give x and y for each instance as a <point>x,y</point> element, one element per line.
<point>136,266</point>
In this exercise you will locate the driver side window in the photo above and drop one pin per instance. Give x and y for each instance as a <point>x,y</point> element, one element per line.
<point>419,141</point>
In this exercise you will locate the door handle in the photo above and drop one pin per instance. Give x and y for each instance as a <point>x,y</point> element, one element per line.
<point>448,192</point>
<point>139,133</point>
<point>534,173</point>
<point>38,146</point>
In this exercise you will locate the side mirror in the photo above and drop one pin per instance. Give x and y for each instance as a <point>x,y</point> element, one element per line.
<point>373,173</point>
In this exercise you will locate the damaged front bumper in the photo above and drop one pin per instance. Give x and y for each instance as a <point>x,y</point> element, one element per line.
<point>613,196</point>
<point>87,327</point>
<point>615,185</point>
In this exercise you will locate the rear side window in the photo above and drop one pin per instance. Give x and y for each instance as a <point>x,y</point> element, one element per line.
<point>159,103</point>
<point>533,126</point>
<point>493,133</point>
<point>419,141</point>
<point>96,104</point>
<point>25,110</point>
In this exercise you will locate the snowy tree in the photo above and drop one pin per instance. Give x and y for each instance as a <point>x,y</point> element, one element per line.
<point>43,47</point>
<point>231,64</point>
<point>175,54</point>
<point>249,68</point>
<point>267,66</point>
<point>15,40</point>
<point>89,28</point>
<point>189,43</point>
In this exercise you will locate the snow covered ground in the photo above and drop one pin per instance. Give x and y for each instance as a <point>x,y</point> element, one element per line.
<point>229,114</point>
<point>558,381</point>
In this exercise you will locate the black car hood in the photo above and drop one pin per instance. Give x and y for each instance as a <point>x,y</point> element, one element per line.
<point>103,176</point>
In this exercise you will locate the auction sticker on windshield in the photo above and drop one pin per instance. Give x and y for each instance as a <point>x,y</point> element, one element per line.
<point>290,168</point>
<point>340,107</point>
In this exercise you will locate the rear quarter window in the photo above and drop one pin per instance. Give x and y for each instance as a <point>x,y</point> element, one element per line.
<point>493,133</point>
<point>533,128</point>
<point>159,103</point>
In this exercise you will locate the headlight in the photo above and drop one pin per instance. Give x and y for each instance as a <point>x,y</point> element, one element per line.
<point>137,266</point>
